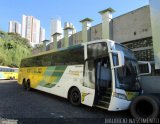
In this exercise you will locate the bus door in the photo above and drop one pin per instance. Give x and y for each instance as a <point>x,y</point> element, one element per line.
<point>93,65</point>
<point>103,78</point>
<point>88,92</point>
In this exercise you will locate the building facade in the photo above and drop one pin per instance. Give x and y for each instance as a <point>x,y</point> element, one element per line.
<point>135,30</point>
<point>32,30</point>
<point>56,27</point>
<point>14,27</point>
<point>42,35</point>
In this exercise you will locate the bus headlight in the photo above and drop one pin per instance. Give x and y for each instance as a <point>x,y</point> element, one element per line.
<point>120,96</point>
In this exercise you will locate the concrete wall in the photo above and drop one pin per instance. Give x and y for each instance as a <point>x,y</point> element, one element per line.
<point>37,50</point>
<point>51,45</point>
<point>96,32</point>
<point>77,38</point>
<point>155,21</point>
<point>132,26</point>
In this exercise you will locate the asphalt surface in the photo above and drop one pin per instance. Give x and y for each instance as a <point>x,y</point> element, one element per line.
<point>36,107</point>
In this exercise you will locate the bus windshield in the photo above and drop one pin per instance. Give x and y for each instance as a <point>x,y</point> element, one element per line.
<point>127,76</point>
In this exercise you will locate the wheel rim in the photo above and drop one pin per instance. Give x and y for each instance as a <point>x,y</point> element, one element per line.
<point>75,97</point>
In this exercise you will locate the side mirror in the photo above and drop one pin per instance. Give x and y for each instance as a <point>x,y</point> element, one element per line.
<point>144,67</point>
<point>118,59</point>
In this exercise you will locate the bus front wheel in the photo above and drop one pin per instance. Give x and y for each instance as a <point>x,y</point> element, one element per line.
<point>75,96</point>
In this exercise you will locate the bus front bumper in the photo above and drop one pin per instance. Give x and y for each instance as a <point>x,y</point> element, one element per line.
<point>117,104</point>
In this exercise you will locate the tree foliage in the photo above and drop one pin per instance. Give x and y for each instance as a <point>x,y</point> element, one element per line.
<point>12,49</point>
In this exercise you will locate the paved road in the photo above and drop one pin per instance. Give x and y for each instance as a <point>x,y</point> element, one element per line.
<point>38,107</point>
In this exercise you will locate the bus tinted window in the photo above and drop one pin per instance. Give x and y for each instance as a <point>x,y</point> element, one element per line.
<point>97,50</point>
<point>65,57</point>
<point>46,60</point>
<point>5,69</point>
<point>1,69</point>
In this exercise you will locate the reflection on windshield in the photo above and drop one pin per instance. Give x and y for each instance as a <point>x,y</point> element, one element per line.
<point>127,76</point>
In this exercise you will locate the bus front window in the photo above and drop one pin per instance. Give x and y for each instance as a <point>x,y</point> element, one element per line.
<point>127,76</point>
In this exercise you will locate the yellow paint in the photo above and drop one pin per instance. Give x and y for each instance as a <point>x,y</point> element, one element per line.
<point>42,76</point>
<point>35,74</point>
<point>131,95</point>
<point>84,95</point>
<point>9,75</point>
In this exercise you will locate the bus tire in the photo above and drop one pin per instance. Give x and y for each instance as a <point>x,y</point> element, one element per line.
<point>75,96</point>
<point>11,78</point>
<point>24,84</point>
<point>28,87</point>
<point>145,106</point>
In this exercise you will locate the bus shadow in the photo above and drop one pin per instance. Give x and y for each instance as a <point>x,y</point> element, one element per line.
<point>84,108</point>
<point>35,96</point>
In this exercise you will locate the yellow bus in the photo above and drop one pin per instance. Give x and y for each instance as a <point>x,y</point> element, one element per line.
<point>99,73</point>
<point>8,73</point>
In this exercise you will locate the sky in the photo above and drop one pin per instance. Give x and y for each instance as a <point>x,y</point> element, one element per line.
<point>68,10</point>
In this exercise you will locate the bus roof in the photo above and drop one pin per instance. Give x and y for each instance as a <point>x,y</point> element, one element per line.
<point>71,47</point>
<point>52,51</point>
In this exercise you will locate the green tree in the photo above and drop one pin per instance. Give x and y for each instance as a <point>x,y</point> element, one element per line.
<point>13,48</point>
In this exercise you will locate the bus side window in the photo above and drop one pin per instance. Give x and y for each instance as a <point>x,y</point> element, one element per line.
<point>39,61</point>
<point>68,57</point>
<point>89,74</point>
<point>46,60</point>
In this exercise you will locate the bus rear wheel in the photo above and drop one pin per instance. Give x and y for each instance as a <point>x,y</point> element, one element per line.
<point>24,85</point>
<point>28,87</point>
<point>75,96</point>
<point>11,78</point>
